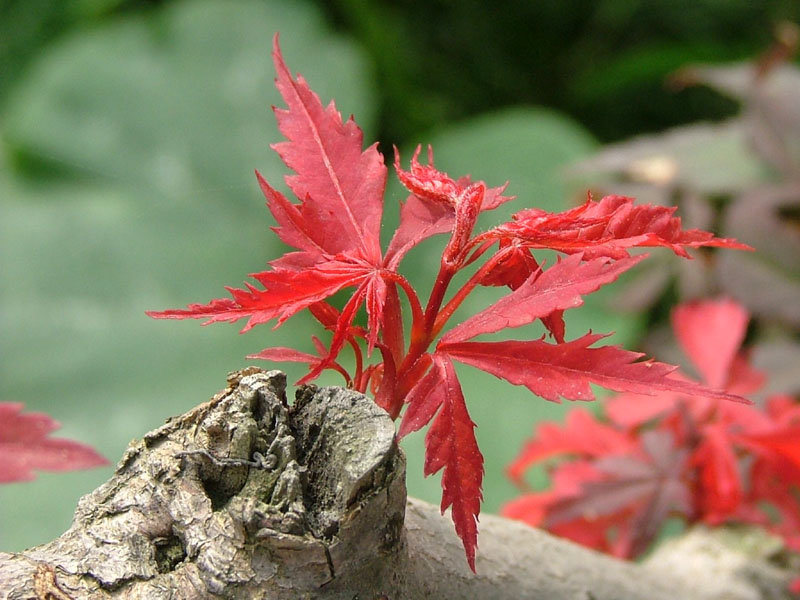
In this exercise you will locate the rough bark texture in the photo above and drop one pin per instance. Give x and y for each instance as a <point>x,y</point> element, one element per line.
<point>248,497</point>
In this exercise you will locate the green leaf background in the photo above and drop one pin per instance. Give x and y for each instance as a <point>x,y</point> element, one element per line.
<point>126,184</point>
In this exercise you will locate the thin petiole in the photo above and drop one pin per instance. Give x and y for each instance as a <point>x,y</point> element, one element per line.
<point>451,307</point>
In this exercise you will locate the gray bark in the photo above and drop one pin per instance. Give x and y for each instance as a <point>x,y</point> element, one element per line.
<point>248,497</point>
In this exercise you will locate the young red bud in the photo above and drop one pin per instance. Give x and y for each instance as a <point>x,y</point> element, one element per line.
<point>468,207</point>
<point>425,182</point>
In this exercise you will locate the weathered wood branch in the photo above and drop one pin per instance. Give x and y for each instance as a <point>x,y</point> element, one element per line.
<point>248,497</point>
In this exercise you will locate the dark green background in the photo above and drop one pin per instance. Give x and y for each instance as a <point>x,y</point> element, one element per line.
<point>129,132</point>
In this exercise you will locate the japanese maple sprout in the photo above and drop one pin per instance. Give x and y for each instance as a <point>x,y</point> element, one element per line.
<point>335,231</point>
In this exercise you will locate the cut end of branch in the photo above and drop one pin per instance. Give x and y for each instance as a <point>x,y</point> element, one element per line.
<point>245,493</point>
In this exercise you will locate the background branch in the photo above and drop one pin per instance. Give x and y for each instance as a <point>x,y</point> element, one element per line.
<point>245,496</point>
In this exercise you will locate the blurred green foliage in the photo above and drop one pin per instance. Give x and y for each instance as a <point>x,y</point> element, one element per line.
<point>129,132</point>
<point>602,61</point>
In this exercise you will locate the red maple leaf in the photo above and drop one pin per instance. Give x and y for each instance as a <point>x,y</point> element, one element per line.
<point>336,226</point>
<point>607,228</point>
<point>677,453</point>
<point>334,232</point>
<point>450,445</point>
<point>582,435</point>
<point>615,482</point>
<point>634,493</point>
<point>25,446</point>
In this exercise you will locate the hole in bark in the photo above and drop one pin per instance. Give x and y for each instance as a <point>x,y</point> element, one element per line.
<point>260,411</point>
<point>169,553</point>
<point>216,492</point>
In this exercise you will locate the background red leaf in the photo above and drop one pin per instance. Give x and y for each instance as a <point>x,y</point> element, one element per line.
<point>721,491</point>
<point>711,334</point>
<point>635,493</point>
<point>581,435</point>
<point>25,447</point>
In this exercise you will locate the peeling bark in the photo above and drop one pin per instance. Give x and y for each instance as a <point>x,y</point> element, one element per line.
<point>246,496</point>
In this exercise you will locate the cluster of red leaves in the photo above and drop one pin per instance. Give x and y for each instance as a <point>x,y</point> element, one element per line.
<point>672,454</point>
<point>24,446</point>
<point>335,231</point>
